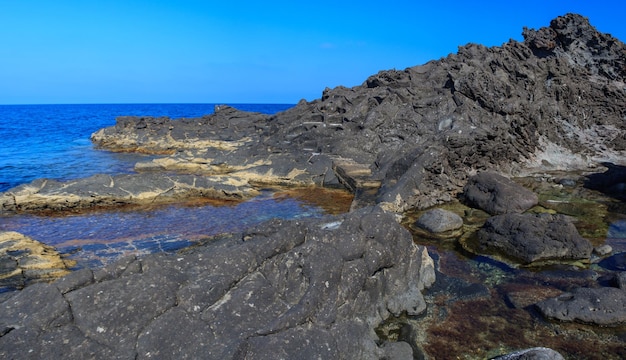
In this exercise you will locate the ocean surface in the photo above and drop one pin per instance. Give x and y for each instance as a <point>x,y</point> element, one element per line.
<point>52,141</point>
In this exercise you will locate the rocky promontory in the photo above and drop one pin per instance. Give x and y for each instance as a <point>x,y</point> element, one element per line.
<point>457,128</point>
<point>552,102</point>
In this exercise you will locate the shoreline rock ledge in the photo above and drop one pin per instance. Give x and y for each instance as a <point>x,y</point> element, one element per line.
<point>289,289</point>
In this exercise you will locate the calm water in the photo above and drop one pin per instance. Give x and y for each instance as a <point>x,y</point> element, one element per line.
<point>52,141</point>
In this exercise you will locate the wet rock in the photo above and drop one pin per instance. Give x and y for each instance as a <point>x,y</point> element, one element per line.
<point>312,288</point>
<point>439,221</point>
<point>497,194</point>
<point>620,280</point>
<point>538,353</point>
<point>529,238</point>
<point>24,260</point>
<point>616,262</point>
<point>599,306</point>
<point>107,191</point>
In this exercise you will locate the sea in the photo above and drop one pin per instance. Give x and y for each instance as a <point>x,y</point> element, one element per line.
<point>52,141</point>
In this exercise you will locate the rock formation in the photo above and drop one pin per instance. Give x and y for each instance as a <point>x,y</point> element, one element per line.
<point>288,289</point>
<point>553,102</point>
<point>406,139</point>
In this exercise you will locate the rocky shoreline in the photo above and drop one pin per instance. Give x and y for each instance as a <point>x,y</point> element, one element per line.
<point>455,129</point>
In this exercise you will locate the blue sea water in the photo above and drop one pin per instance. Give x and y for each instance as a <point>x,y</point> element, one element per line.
<point>52,141</point>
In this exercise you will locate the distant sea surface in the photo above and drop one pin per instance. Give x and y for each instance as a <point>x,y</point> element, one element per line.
<point>52,141</point>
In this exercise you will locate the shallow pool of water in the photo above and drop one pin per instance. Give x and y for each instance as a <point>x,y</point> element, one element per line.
<point>96,238</point>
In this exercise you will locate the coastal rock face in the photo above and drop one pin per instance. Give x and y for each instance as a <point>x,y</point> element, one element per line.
<point>529,238</point>
<point>308,289</point>
<point>552,102</point>
<point>604,306</point>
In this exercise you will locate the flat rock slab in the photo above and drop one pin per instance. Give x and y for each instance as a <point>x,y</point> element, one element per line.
<point>107,191</point>
<point>292,289</point>
<point>604,306</point>
<point>497,194</point>
<point>24,261</point>
<point>529,238</point>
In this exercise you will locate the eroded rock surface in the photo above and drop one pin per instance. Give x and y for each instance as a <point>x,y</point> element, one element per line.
<point>307,289</point>
<point>116,190</point>
<point>533,237</point>
<point>25,261</point>
<point>600,306</point>
<point>497,194</point>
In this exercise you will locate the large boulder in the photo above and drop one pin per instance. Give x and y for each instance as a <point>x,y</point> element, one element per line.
<point>293,289</point>
<point>605,306</point>
<point>497,194</point>
<point>533,237</point>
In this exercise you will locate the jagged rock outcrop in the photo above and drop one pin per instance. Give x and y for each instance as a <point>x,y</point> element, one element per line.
<point>294,289</point>
<point>556,100</point>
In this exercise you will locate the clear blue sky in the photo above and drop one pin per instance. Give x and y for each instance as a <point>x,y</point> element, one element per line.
<point>184,51</point>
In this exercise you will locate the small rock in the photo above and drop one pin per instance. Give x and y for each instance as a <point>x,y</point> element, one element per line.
<point>439,220</point>
<point>603,250</point>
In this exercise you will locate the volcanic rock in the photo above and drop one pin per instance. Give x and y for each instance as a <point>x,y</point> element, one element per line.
<point>538,353</point>
<point>599,306</point>
<point>497,195</point>
<point>439,221</point>
<point>107,191</point>
<point>24,261</point>
<point>529,238</point>
<point>552,102</point>
<point>296,289</point>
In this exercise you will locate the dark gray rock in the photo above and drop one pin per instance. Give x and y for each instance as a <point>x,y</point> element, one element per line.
<point>439,220</point>
<point>604,306</point>
<point>497,194</point>
<point>517,108</point>
<point>538,353</point>
<point>296,289</point>
<point>529,237</point>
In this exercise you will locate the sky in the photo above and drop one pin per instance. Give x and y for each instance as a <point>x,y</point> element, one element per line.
<point>185,51</point>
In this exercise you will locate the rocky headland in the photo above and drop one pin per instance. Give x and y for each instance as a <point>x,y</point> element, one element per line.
<point>457,129</point>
